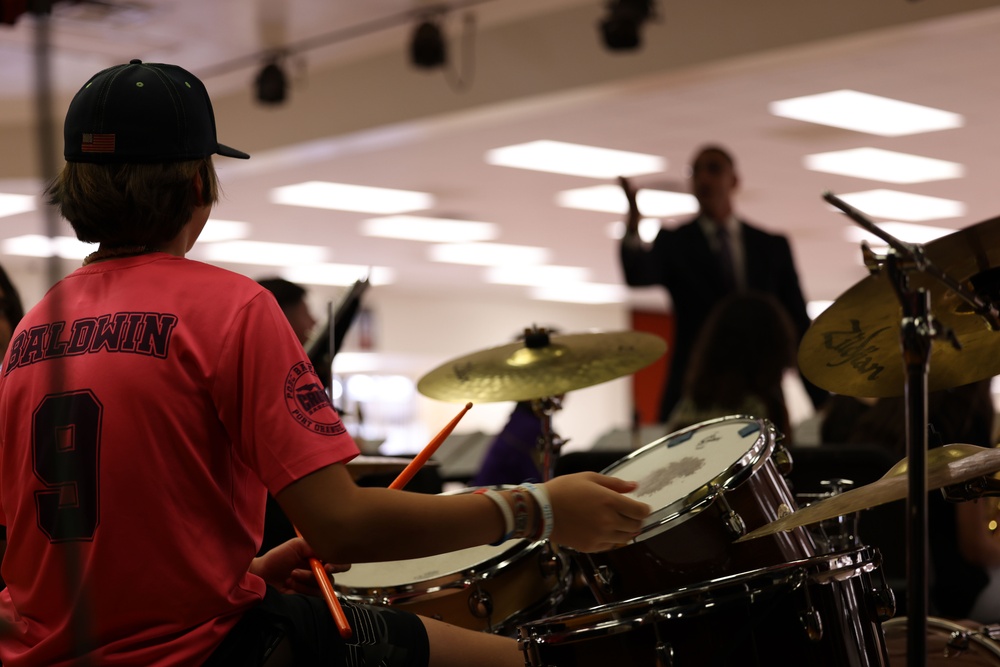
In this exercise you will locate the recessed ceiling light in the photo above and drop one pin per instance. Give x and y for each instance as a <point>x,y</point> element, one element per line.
<point>15,204</point>
<point>223,230</point>
<point>544,275</point>
<point>881,165</point>
<point>851,110</point>
<point>559,157</point>
<point>611,199</point>
<point>488,254</point>
<point>592,293</point>
<point>338,274</point>
<point>38,245</point>
<point>906,206</point>
<point>357,198</point>
<point>903,231</point>
<point>434,230</point>
<point>258,252</point>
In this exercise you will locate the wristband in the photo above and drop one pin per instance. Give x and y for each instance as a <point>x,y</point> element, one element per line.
<point>504,507</point>
<point>541,496</point>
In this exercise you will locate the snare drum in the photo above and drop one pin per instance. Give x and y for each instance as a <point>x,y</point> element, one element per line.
<point>708,485</point>
<point>948,643</point>
<point>824,611</point>
<point>487,588</point>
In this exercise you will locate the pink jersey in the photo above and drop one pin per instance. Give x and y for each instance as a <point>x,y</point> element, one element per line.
<point>147,404</point>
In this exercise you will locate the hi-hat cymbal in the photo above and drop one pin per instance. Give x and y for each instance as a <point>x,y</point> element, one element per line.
<point>541,366</point>
<point>853,347</point>
<point>946,466</point>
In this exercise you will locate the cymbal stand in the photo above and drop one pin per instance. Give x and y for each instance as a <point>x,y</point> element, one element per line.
<point>549,442</point>
<point>917,329</point>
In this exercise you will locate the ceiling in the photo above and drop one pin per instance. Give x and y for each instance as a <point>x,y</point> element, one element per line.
<point>359,113</point>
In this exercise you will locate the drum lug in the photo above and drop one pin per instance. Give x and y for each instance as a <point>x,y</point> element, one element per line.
<point>812,623</point>
<point>663,651</point>
<point>885,599</point>
<point>782,459</point>
<point>550,563</point>
<point>481,603</point>
<point>734,522</point>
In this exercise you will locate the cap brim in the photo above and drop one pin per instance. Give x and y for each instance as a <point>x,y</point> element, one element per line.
<point>226,151</point>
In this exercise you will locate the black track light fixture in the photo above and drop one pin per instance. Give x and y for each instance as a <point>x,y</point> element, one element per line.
<point>272,83</point>
<point>427,48</point>
<point>620,29</point>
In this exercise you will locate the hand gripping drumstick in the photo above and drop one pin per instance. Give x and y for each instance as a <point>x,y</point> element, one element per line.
<point>339,618</point>
<point>420,459</point>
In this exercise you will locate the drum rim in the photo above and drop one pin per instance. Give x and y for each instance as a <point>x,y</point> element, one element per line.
<point>734,475</point>
<point>976,636</point>
<point>641,610</point>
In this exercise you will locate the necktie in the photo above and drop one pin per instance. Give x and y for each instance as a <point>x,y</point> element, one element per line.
<point>725,251</point>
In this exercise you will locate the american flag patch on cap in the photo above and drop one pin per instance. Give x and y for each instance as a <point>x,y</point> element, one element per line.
<point>98,143</point>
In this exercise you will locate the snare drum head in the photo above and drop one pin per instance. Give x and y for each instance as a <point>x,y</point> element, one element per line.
<point>669,470</point>
<point>474,561</point>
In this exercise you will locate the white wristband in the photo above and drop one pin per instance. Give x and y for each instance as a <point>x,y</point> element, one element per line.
<point>508,515</point>
<point>541,496</point>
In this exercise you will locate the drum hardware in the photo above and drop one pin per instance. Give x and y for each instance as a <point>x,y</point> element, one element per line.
<point>979,487</point>
<point>481,603</point>
<point>663,650</point>
<point>841,532</point>
<point>883,599</point>
<point>947,466</point>
<point>734,523</point>
<point>949,643</point>
<point>810,619</point>
<point>782,458</point>
<point>851,349</point>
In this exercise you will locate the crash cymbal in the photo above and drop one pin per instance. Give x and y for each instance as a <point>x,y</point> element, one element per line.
<point>946,466</point>
<point>543,365</point>
<point>853,347</point>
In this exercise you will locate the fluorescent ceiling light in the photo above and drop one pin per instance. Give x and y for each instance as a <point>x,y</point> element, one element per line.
<point>904,231</point>
<point>488,254</point>
<point>592,293</point>
<point>559,157</point>
<point>258,252</point>
<point>358,198</point>
<point>611,199</point>
<point>434,230</point>
<point>881,165</point>
<point>38,245</point>
<point>851,110</point>
<point>648,229</point>
<point>338,274</point>
<point>15,204</point>
<point>541,276</point>
<point>906,206</point>
<point>223,230</point>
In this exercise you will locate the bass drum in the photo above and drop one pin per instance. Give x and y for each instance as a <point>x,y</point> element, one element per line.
<point>948,643</point>
<point>820,612</point>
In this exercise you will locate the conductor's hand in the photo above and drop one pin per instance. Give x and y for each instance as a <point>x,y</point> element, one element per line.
<point>590,513</point>
<point>632,217</point>
<point>286,568</point>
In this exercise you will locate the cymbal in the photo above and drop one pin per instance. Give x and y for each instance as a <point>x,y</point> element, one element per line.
<point>853,347</point>
<point>541,366</point>
<point>946,466</point>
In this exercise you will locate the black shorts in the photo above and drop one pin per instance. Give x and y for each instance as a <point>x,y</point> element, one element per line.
<point>381,635</point>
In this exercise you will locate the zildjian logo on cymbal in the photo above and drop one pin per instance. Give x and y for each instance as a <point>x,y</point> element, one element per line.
<point>853,346</point>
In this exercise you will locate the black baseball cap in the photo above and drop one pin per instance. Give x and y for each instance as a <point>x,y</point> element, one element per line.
<point>142,112</point>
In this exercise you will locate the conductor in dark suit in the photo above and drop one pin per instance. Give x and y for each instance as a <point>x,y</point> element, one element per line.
<point>707,258</point>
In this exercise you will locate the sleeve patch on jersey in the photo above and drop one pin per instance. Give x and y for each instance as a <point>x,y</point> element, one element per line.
<point>308,403</point>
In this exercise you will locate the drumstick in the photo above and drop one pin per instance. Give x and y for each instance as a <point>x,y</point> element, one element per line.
<point>319,573</point>
<point>420,459</point>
